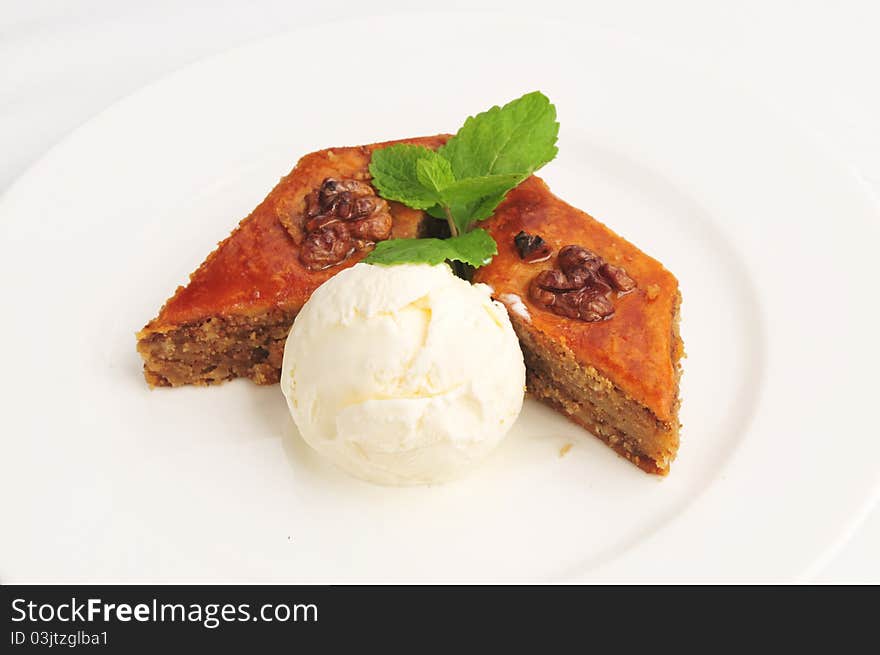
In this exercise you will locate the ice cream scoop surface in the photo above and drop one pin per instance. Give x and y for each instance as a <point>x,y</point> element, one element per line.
<point>403,374</point>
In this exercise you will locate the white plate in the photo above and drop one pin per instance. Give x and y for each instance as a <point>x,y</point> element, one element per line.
<point>773,241</point>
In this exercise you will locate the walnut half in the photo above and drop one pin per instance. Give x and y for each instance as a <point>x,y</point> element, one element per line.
<point>341,217</point>
<point>581,287</point>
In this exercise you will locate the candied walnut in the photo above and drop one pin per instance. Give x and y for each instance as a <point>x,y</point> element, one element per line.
<point>333,187</point>
<point>318,222</point>
<point>587,304</point>
<point>556,281</point>
<point>532,248</point>
<point>340,217</point>
<point>376,227</point>
<point>313,205</point>
<point>542,296</point>
<point>582,286</point>
<point>596,287</point>
<point>575,259</point>
<point>617,278</point>
<point>595,308</point>
<point>326,247</point>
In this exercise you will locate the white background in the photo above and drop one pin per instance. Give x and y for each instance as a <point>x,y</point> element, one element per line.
<point>62,61</point>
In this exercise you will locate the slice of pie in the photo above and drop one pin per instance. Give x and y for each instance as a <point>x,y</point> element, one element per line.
<point>233,317</point>
<point>597,320</point>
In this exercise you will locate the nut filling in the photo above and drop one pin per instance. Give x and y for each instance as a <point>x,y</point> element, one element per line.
<point>341,217</point>
<point>582,287</point>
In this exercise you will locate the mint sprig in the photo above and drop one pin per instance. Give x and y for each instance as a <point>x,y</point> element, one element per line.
<point>465,180</point>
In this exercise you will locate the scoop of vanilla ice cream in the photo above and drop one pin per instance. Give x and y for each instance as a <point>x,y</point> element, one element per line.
<point>403,374</point>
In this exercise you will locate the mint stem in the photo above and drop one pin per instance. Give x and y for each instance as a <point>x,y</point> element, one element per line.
<point>453,230</point>
<point>458,268</point>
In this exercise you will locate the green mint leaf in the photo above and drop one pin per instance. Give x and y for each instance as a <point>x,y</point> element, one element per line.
<point>475,198</point>
<point>472,189</point>
<point>437,211</point>
<point>475,248</point>
<point>434,173</point>
<point>517,138</point>
<point>478,211</point>
<point>395,175</point>
<point>408,251</point>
